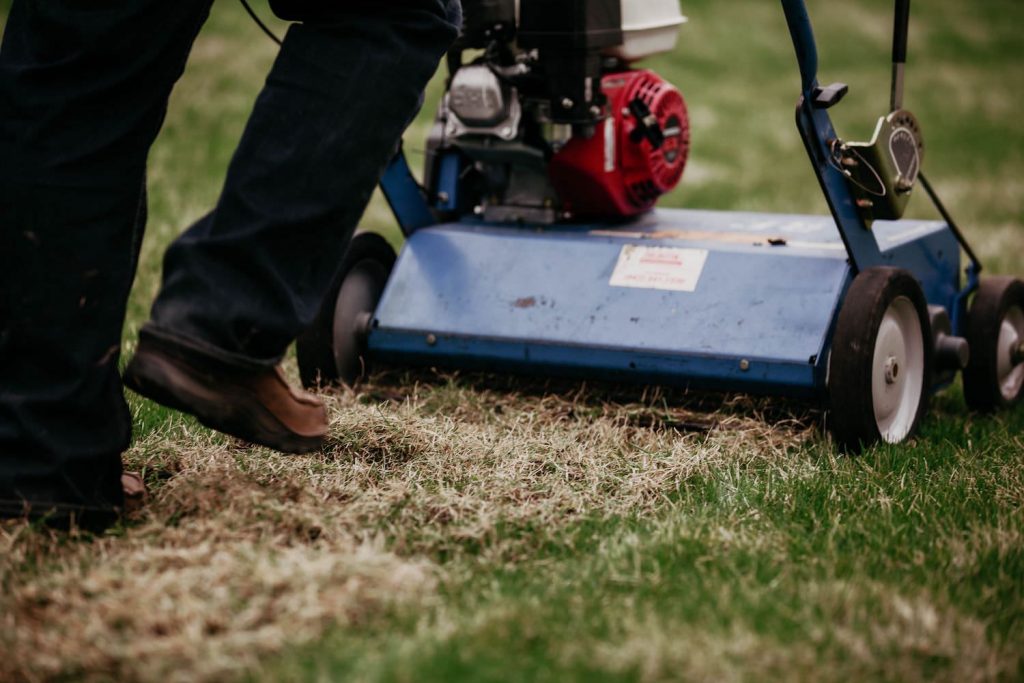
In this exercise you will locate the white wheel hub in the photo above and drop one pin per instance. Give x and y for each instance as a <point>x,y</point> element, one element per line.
<point>1010,375</point>
<point>897,371</point>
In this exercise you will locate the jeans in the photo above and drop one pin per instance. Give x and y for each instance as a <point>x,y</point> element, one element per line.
<point>84,86</point>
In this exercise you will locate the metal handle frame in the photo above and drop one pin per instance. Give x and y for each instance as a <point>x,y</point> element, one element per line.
<point>818,133</point>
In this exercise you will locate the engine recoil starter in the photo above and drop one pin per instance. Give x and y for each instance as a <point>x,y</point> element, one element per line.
<point>637,153</point>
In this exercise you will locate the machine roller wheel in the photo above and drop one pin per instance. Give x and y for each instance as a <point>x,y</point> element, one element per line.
<point>333,349</point>
<point>880,366</point>
<point>994,377</point>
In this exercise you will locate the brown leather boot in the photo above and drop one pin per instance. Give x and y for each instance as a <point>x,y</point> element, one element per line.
<point>253,403</point>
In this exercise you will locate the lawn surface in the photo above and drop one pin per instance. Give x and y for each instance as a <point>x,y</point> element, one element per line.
<point>485,528</point>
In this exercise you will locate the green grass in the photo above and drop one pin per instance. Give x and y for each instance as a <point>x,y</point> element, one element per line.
<point>904,564</point>
<point>481,528</point>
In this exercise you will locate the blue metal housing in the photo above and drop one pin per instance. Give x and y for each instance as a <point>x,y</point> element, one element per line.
<point>541,300</point>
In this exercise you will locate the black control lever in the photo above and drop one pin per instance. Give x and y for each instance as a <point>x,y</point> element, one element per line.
<point>830,95</point>
<point>647,126</point>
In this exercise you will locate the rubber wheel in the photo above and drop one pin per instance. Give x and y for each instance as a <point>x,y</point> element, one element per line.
<point>994,377</point>
<point>332,350</point>
<point>880,365</point>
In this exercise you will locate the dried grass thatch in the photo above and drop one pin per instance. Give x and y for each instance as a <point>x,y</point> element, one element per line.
<point>242,551</point>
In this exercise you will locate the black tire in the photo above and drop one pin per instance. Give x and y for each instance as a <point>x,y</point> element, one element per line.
<point>870,401</point>
<point>332,350</point>
<point>987,386</point>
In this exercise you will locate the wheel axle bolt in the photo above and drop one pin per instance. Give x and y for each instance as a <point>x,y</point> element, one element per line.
<point>364,323</point>
<point>892,370</point>
<point>1017,355</point>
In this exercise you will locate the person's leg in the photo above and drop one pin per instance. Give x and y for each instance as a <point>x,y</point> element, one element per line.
<point>83,92</point>
<point>247,279</point>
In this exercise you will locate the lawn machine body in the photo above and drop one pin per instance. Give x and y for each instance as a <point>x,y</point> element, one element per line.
<point>534,245</point>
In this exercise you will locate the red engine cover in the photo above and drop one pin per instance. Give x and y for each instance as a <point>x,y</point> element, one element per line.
<point>615,173</point>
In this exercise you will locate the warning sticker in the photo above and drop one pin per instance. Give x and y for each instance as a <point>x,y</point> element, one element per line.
<point>667,268</point>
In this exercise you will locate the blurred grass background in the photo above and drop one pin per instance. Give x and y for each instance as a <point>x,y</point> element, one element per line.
<point>775,562</point>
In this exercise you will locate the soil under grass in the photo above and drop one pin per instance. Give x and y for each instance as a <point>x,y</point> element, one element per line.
<point>485,528</point>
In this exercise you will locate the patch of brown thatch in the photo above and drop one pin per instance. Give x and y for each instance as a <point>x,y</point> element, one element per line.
<point>241,551</point>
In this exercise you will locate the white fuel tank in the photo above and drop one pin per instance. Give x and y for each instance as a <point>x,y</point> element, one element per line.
<point>648,27</point>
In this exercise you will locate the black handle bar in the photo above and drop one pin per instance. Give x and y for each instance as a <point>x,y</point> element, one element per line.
<point>899,32</point>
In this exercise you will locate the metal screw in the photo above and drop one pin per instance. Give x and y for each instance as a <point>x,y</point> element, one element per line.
<point>744,365</point>
<point>431,340</point>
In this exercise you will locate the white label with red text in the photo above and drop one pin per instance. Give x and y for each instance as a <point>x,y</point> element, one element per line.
<point>669,268</point>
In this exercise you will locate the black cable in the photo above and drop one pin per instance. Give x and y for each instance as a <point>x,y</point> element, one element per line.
<point>949,221</point>
<point>259,22</point>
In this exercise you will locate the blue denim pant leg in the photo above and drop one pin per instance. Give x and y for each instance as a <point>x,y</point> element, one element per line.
<point>244,281</point>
